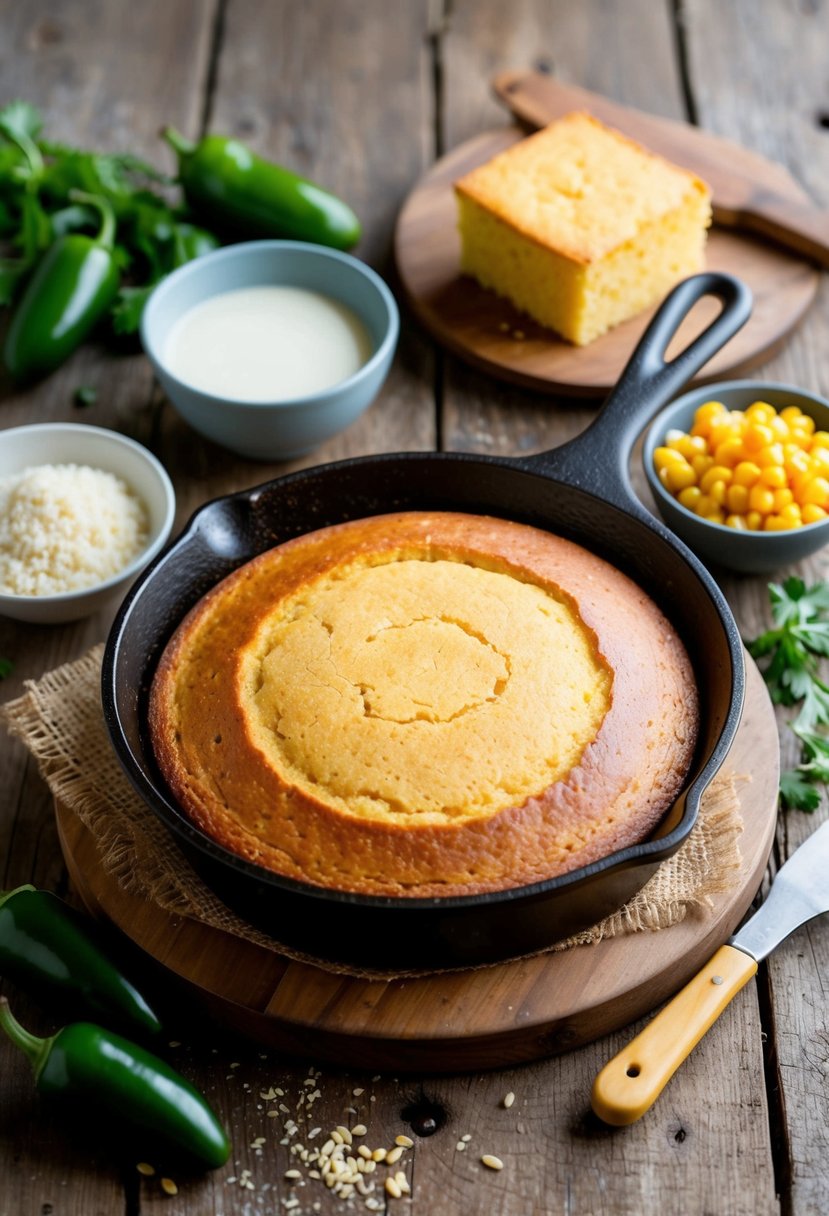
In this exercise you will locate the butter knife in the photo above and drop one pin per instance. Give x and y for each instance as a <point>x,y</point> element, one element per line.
<point>632,1081</point>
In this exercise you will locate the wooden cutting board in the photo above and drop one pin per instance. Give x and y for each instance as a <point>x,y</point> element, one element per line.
<point>749,192</point>
<point>754,196</point>
<point>465,1020</point>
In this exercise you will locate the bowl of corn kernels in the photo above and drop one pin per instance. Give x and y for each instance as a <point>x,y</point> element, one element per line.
<point>740,471</point>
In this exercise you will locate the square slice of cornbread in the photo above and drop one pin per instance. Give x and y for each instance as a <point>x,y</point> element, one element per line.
<point>581,227</point>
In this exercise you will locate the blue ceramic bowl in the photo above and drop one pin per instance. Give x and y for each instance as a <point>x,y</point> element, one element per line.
<point>745,552</point>
<point>274,430</point>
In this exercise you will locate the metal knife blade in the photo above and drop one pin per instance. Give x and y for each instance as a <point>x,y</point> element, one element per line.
<point>800,891</point>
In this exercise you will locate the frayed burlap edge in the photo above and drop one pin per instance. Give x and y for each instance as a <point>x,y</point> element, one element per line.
<point>60,721</point>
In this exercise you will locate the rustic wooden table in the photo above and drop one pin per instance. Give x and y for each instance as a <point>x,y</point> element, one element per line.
<point>364,96</point>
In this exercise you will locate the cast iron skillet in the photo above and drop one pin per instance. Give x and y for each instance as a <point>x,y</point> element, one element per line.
<point>581,491</point>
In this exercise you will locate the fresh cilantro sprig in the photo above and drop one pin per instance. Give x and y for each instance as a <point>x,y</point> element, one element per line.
<point>792,652</point>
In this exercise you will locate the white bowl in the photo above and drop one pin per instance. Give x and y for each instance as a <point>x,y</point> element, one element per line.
<point>282,429</point>
<point>74,443</point>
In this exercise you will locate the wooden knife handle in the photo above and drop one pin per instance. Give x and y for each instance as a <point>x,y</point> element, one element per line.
<point>741,199</point>
<point>633,1080</point>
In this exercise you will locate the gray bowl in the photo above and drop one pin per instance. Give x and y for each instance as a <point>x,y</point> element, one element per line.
<point>744,552</point>
<point>274,430</point>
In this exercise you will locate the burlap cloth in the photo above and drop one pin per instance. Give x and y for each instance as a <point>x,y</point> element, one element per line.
<point>59,719</point>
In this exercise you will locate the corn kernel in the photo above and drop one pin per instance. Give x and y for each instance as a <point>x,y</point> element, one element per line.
<point>688,445</point>
<point>757,435</point>
<point>760,411</point>
<point>771,454</point>
<point>777,523</point>
<point>717,472</point>
<point>737,499</point>
<point>678,476</point>
<point>737,521</point>
<point>815,491</point>
<point>779,428</point>
<point>811,513</point>
<point>820,439</point>
<point>746,473</point>
<point>690,496</point>
<point>705,505</point>
<point>784,498</point>
<point>819,459</point>
<point>664,457</point>
<point>800,436</point>
<point>761,499</point>
<point>754,521</point>
<point>720,433</point>
<point>773,476</point>
<point>701,464</point>
<point>729,453</point>
<point>790,510</point>
<point>715,515</point>
<point>709,411</point>
<point>791,413</point>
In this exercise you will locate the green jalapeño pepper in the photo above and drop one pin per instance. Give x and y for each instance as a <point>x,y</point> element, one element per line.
<point>121,1086</point>
<point>47,946</point>
<point>72,287</point>
<point>242,195</point>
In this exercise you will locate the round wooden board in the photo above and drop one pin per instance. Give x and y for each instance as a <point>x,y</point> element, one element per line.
<point>480,327</point>
<point>452,1022</point>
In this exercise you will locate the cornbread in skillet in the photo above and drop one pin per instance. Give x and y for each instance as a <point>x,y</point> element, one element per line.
<point>425,704</point>
<point>581,227</point>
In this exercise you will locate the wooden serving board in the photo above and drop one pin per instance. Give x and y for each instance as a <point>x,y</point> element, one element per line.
<point>489,333</point>
<point>748,191</point>
<point>452,1022</point>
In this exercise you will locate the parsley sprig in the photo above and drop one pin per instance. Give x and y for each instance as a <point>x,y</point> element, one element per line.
<point>793,650</point>
<point>38,180</point>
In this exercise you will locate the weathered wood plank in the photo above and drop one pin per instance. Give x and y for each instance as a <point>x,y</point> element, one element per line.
<point>711,1123</point>
<point>735,53</point>
<point>103,75</point>
<point>312,101</point>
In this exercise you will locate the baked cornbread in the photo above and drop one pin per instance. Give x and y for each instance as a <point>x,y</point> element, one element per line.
<point>425,704</point>
<point>581,227</point>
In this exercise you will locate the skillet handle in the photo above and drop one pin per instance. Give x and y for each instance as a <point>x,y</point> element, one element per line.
<point>597,460</point>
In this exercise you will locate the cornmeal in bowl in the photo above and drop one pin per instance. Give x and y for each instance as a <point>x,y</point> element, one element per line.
<point>425,704</point>
<point>581,227</point>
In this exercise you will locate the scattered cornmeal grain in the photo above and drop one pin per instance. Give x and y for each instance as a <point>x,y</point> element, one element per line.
<point>168,1186</point>
<point>466,1138</point>
<point>293,1174</point>
<point>492,1163</point>
<point>508,1100</point>
<point>460,1146</point>
<point>145,1168</point>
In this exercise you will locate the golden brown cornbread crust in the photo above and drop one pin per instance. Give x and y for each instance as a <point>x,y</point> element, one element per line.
<point>628,775</point>
<point>578,221</point>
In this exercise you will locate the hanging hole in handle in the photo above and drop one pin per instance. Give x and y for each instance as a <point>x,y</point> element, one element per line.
<point>706,310</point>
<point>632,1070</point>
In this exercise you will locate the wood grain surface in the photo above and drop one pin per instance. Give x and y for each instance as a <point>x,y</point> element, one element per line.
<point>366,97</point>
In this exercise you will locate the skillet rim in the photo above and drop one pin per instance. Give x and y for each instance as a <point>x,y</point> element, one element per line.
<point>648,852</point>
